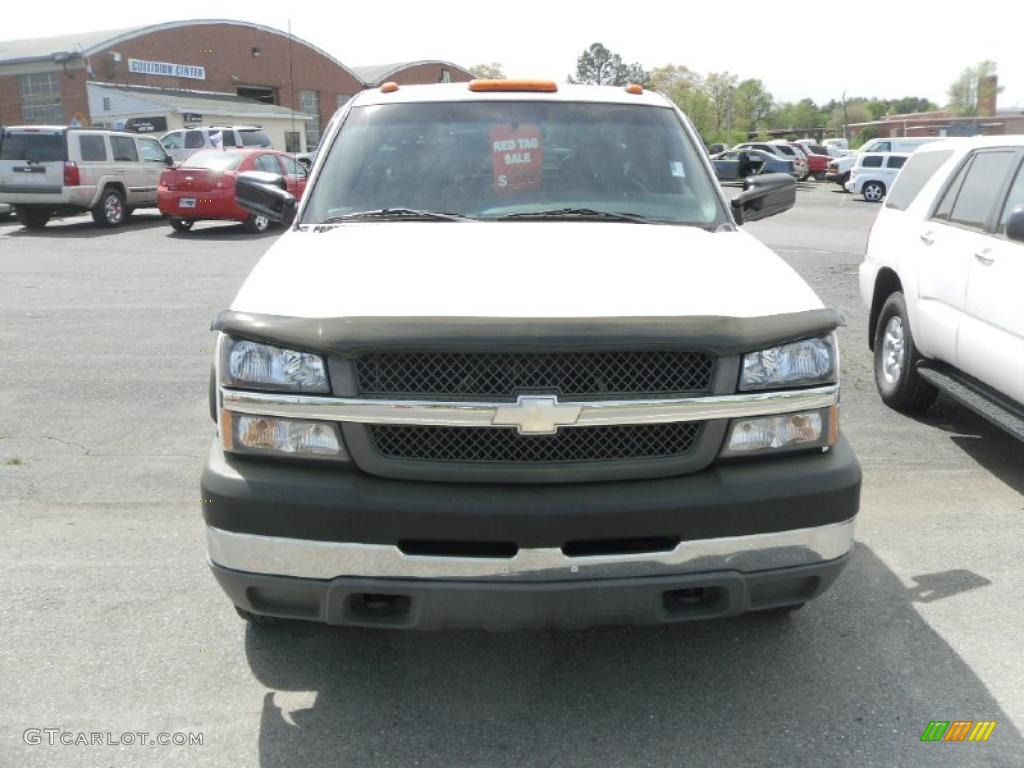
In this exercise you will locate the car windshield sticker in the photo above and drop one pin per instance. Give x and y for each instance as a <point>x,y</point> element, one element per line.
<point>676,168</point>
<point>518,153</point>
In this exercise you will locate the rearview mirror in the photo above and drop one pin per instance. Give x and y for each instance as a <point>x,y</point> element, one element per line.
<point>265,194</point>
<point>1015,224</point>
<point>763,196</point>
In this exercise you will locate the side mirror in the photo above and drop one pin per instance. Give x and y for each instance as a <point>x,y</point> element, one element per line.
<point>763,196</point>
<point>265,194</point>
<point>168,161</point>
<point>1015,224</point>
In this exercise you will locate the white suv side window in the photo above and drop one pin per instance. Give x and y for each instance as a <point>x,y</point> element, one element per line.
<point>172,141</point>
<point>194,140</point>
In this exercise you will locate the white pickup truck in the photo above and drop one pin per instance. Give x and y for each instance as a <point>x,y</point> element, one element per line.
<point>942,277</point>
<point>516,363</point>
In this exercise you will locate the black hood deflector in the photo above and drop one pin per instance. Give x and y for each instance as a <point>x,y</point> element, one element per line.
<point>350,336</point>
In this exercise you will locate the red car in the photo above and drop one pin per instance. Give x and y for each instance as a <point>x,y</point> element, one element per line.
<point>203,186</point>
<point>817,160</point>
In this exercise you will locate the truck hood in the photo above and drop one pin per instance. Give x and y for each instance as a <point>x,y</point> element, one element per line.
<point>520,270</point>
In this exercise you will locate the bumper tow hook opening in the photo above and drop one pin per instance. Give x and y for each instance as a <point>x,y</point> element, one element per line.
<point>695,599</point>
<point>372,608</point>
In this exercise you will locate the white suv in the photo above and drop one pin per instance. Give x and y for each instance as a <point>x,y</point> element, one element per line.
<point>942,276</point>
<point>873,175</point>
<point>840,169</point>
<point>48,171</point>
<point>184,143</point>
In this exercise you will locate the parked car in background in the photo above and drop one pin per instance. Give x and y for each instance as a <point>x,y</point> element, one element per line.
<point>874,173</point>
<point>783,151</point>
<point>203,186</point>
<point>817,158</point>
<point>306,159</point>
<point>5,211</point>
<point>836,145</point>
<point>839,169</point>
<point>942,277</point>
<point>48,171</point>
<point>738,164</point>
<point>182,144</point>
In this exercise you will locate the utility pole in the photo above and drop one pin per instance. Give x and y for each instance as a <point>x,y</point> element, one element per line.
<point>846,120</point>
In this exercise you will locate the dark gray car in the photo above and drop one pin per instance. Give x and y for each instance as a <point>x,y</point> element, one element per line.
<point>738,164</point>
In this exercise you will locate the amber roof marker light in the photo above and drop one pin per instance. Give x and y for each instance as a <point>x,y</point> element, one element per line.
<point>635,88</point>
<point>542,86</point>
<point>389,87</point>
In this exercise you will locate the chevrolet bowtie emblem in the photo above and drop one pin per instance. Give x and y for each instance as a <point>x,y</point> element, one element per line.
<point>536,415</point>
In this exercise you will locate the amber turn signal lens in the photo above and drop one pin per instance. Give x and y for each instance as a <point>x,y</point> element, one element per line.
<point>544,86</point>
<point>389,87</point>
<point>635,88</point>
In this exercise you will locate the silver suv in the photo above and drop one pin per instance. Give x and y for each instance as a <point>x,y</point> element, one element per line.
<point>48,171</point>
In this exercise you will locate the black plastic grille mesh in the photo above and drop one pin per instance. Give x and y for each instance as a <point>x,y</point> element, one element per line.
<point>505,445</point>
<point>578,375</point>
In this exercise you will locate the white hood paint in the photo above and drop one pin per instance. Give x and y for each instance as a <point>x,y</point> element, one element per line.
<point>522,270</point>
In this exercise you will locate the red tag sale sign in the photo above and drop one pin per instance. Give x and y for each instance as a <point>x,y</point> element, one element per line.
<point>518,155</point>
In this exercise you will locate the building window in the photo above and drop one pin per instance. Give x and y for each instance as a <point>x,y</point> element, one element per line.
<point>40,98</point>
<point>106,103</point>
<point>309,103</point>
<point>446,76</point>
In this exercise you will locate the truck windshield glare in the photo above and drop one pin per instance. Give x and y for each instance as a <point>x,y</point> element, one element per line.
<point>492,159</point>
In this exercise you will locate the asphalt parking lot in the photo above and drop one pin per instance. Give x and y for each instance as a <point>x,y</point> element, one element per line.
<point>112,623</point>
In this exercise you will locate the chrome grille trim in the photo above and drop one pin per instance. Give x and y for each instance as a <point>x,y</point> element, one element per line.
<point>483,414</point>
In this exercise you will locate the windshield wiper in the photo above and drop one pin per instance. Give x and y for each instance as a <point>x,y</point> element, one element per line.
<point>579,213</point>
<point>393,213</point>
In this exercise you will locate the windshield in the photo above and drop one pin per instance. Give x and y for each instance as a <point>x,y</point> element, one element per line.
<point>32,147</point>
<point>214,160</point>
<point>495,159</point>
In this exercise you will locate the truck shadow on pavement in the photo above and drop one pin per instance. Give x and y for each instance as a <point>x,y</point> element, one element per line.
<point>852,679</point>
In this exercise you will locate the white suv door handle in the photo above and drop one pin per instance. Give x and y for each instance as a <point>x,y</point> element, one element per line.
<point>985,256</point>
<point>927,238</point>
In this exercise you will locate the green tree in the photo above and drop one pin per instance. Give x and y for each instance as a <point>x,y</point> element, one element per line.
<point>599,66</point>
<point>672,79</point>
<point>720,88</point>
<point>910,104</point>
<point>799,116</point>
<point>753,105</point>
<point>972,88</point>
<point>492,71</point>
<point>855,112</point>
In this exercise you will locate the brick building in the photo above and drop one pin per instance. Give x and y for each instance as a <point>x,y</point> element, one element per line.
<point>188,73</point>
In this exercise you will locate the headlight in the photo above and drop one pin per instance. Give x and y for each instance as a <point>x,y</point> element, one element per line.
<point>267,435</point>
<point>811,361</point>
<point>776,434</point>
<point>252,365</point>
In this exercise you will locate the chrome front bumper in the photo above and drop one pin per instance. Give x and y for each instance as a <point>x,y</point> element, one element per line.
<point>310,559</point>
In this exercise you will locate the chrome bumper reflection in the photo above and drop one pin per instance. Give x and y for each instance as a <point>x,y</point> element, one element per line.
<point>327,560</point>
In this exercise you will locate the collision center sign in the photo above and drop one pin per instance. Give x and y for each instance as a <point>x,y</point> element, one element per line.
<point>166,68</point>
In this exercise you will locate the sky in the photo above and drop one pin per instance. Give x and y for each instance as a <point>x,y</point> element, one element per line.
<point>892,49</point>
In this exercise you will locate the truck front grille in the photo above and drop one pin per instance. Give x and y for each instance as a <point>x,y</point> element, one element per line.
<point>501,376</point>
<point>506,446</point>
